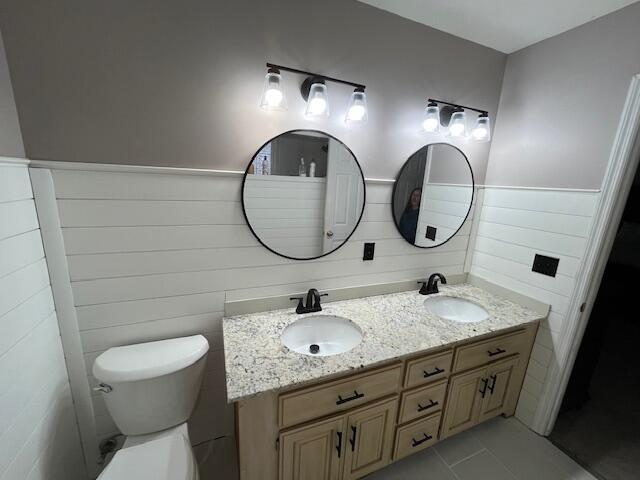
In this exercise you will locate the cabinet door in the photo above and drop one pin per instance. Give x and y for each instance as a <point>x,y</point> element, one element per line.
<point>464,401</point>
<point>499,388</point>
<point>369,439</point>
<point>313,452</point>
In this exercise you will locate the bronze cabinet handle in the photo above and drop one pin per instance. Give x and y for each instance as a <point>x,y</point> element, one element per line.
<point>494,378</point>
<point>431,374</point>
<point>483,390</point>
<point>352,440</point>
<point>497,352</point>
<point>355,396</point>
<point>415,443</point>
<point>339,445</point>
<point>431,404</point>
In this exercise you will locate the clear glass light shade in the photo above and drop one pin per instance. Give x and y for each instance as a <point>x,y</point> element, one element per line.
<point>318,101</point>
<point>482,130</point>
<point>431,122</point>
<point>357,109</point>
<point>458,125</point>
<point>272,95</point>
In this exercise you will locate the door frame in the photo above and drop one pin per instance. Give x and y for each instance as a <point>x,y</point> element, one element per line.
<point>623,161</point>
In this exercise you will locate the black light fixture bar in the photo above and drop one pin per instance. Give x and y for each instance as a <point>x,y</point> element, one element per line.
<point>484,112</point>
<point>317,75</point>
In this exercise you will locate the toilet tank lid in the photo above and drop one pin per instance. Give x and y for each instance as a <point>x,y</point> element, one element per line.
<point>143,361</point>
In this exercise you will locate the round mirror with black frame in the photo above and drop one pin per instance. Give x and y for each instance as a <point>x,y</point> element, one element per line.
<point>303,194</point>
<point>432,195</point>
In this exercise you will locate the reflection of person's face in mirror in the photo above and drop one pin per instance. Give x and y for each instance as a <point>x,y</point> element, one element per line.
<point>414,200</point>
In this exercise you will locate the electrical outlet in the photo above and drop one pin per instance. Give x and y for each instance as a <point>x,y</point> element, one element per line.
<point>369,249</point>
<point>545,265</point>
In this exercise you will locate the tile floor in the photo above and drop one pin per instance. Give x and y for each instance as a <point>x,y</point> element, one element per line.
<point>500,449</point>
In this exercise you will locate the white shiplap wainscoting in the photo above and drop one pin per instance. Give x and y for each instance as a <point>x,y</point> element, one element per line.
<point>154,254</point>
<point>515,224</point>
<point>443,207</point>
<point>38,432</point>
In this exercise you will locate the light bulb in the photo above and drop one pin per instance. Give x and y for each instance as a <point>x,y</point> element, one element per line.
<point>430,125</point>
<point>317,106</point>
<point>356,112</point>
<point>482,130</point>
<point>272,95</point>
<point>318,101</point>
<point>458,124</point>
<point>431,122</point>
<point>357,109</point>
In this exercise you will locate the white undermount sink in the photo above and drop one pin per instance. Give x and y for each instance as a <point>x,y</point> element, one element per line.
<point>321,335</point>
<point>456,309</point>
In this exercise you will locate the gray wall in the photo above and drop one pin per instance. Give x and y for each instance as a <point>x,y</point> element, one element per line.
<point>10,138</point>
<point>168,82</point>
<point>561,103</point>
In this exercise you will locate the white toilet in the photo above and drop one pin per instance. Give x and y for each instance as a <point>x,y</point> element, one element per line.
<point>150,390</point>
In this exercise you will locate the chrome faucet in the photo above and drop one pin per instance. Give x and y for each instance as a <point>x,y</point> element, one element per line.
<point>431,286</point>
<point>313,302</point>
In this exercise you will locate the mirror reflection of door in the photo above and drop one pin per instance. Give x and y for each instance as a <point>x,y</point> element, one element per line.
<point>303,194</point>
<point>344,197</point>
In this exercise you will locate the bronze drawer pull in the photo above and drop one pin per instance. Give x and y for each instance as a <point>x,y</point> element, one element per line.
<point>356,396</point>
<point>352,441</point>
<point>493,383</point>
<point>426,407</point>
<point>483,390</point>
<point>497,352</point>
<point>431,374</point>
<point>415,442</point>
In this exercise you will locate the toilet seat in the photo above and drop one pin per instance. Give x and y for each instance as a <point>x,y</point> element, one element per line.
<point>168,457</point>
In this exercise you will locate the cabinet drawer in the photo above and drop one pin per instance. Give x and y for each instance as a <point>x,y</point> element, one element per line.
<point>422,401</point>
<point>416,436</point>
<point>428,368</point>
<point>336,396</point>
<point>485,351</point>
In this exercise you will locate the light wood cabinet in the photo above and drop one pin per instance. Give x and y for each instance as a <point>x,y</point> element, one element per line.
<point>338,395</point>
<point>478,395</point>
<point>499,388</point>
<point>346,428</point>
<point>370,433</point>
<point>489,350</point>
<point>422,401</point>
<point>463,403</point>
<point>416,436</point>
<point>313,452</point>
<point>345,447</point>
<point>427,369</point>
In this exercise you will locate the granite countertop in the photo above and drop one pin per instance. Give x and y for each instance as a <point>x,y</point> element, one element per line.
<point>393,326</point>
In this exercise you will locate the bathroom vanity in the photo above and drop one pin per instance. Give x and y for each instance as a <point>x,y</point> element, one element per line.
<point>414,379</point>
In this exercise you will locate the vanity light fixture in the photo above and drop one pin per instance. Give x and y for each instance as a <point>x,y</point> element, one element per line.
<point>317,100</point>
<point>314,91</point>
<point>357,110</point>
<point>431,122</point>
<point>482,130</point>
<point>458,124</point>
<point>272,94</point>
<point>454,118</point>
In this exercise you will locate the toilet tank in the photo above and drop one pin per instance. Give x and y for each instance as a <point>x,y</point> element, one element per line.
<point>152,386</point>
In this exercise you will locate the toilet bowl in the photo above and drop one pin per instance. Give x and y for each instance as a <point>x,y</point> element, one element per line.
<point>150,390</point>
